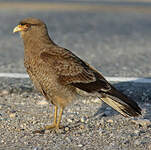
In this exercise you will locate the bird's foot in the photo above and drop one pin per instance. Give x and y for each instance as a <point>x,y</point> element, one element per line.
<point>53,126</point>
<point>49,127</point>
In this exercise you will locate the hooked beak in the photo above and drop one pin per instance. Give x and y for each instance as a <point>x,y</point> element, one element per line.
<point>17,29</point>
<point>20,28</point>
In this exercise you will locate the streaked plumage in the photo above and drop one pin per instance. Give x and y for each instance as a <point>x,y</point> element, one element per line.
<point>57,73</point>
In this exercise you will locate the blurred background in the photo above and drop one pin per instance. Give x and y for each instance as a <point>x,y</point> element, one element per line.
<point>112,35</point>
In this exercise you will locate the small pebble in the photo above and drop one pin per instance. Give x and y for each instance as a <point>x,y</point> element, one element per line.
<point>80,145</point>
<point>69,120</point>
<point>42,102</point>
<point>110,121</point>
<point>4,92</point>
<point>68,139</point>
<point>82,126</point>
<point>101,131</point>
<point>107,113</point>
<point>12,115</point>
<point>137,142</point>
<point>38,148</point>
<point>142,122</point>
<point>66,128</point>
<point>147,104</point>
<point>2,141</point>
<point>136,132</point>
<point>108,108</point>
<point>85,101</point>
<point>83,119</point>
<point>23,125</point>
<point>149,146</point>
<point>47,131</point>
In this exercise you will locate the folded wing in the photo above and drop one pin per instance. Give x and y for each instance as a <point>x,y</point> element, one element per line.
<point>71,70</point>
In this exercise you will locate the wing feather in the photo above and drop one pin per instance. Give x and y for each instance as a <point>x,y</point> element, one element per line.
<point>70,69</point>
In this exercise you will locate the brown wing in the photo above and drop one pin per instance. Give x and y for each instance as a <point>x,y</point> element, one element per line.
<point>72,70</point>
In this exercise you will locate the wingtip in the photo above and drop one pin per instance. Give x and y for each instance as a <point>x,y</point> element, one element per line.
<point>131,112</point>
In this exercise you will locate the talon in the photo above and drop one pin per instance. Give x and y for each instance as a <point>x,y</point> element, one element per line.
<point>56,124</point>
<point>53,126</point>
<point>49,127</point>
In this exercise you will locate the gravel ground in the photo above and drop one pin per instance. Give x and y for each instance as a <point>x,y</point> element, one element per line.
<point>88,124</point>
<point>118,44</point>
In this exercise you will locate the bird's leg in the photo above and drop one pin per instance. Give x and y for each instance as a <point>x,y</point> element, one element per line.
<point>48,127</point>
<point>54,122</point>
<point>55,115</point>
<point>59,119</point>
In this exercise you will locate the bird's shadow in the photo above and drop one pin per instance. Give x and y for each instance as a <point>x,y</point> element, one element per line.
<point>139,92</point>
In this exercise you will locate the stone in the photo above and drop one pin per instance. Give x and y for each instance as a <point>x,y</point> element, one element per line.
<point>42,102</point>
<point>80,145</point>
<point>83,119</point>
<point>4,92</point>
<point>137,142</point>
<point>67,129</point>
<point>110,121</point>
<point>142,122</point>
<point>82,127</point>
<point>12,115</point>
<point>69,120</point>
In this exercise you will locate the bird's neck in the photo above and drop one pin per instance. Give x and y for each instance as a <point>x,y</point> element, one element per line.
<point>31,42</point>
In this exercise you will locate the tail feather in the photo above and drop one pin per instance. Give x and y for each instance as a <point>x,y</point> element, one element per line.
<point>121,103</point>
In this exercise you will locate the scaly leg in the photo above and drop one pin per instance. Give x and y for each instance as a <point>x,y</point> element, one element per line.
<point>59,120</point>
<point>56,123</point>
<point>48,127</point>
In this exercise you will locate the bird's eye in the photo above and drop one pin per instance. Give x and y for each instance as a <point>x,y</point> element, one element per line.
<point>28,25</point>
<point>25,24</point>
<point>22,24</point>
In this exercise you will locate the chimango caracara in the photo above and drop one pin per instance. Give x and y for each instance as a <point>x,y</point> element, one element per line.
<point>59,74</point>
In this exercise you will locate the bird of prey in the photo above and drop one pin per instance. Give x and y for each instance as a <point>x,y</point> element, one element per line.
<point>58,73</point>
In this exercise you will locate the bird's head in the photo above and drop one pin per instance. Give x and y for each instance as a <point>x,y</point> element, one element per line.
<point>31,26</point>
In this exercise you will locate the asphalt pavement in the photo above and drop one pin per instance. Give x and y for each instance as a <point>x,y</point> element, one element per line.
<point>116,43</point>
